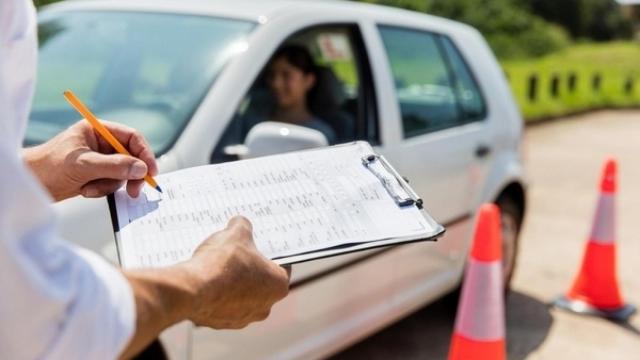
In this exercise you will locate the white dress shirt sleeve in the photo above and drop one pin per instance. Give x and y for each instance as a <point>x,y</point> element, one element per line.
<point>57,301</point>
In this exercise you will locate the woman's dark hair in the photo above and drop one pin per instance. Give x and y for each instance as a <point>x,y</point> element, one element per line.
<point>297,56</point>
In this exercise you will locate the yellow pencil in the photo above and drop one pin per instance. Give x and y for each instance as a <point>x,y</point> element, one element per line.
<point>103,131</point>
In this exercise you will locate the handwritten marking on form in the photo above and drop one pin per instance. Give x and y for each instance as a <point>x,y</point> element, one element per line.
<point>297,203</point>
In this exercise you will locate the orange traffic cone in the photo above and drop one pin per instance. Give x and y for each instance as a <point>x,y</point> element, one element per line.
<point>480,326</point>
<point>595,290</point>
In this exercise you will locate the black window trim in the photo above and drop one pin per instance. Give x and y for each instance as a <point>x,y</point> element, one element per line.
<point>485,107</point>
<point>367,102</point>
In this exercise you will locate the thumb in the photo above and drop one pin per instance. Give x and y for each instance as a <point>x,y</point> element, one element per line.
<point>241,222</point>
<point>241,230</point>
<point>113,166</point>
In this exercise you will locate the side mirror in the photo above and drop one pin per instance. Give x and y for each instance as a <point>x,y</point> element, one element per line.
<point>270,137</point>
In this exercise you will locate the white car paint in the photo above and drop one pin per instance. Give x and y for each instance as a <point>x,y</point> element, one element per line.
<point>336,302</point>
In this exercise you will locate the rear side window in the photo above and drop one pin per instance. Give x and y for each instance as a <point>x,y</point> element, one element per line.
<point>434,87</point>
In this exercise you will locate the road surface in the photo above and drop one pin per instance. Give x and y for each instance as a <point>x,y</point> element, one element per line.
<point>564,159</point>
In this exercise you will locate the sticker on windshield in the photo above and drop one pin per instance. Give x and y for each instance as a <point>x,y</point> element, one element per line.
<point>334,47</point>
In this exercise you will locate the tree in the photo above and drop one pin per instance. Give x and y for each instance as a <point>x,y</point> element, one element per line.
<point>44,2</point>
<point>593,19</point>
<point>512,31</point>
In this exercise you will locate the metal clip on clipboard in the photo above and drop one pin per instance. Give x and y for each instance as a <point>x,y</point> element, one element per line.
<point>411,199</point>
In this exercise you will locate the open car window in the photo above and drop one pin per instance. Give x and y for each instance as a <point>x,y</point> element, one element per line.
<point>338,98</point>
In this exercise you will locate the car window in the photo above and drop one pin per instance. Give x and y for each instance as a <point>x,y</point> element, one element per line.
<point>335,101</point>
<point>434,88</point>
<point>468,94</point>
<point>149,71</point>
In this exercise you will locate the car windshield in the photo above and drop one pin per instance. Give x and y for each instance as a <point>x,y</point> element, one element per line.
<point>146,70</point>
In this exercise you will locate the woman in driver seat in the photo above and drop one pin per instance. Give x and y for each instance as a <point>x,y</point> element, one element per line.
<point>291,77</point>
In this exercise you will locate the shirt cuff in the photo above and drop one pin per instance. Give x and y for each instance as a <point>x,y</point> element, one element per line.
<point>121,295</point>
<point>103,318</point>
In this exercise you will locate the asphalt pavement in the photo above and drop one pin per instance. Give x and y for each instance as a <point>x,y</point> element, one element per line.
<point>564,158</point>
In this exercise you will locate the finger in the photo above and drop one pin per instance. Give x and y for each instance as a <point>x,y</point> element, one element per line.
<point>134,141</point>
<point>113,166</point>
<point>235,226</point>
<point>240,221</point>
<point>241,230</point>
<point>134,187</point>
<point>282,289</point>
<point>99,188</point>
<point>281,280</point>
<point>287,268</point>
<point>264,315</point>
<point>235,325</point>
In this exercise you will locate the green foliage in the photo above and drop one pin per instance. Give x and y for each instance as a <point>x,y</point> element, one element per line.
<point>511,30</point>
<point>536,38</point>
<point>593,19</point>
<point>585,61</point>
<point>44,2</point>
<point>416,5</point>
<point>531,37</point>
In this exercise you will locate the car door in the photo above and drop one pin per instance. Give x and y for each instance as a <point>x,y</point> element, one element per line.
<point>343,99</point>
<point>328,295</point>
<point>443,144</point>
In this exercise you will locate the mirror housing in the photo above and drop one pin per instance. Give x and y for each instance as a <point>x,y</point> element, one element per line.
<point>270,137</point>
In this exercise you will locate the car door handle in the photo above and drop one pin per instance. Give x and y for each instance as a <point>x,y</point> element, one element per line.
<point>482,151</point>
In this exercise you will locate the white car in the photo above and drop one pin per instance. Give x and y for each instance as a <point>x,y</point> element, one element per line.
<point>426,91</point>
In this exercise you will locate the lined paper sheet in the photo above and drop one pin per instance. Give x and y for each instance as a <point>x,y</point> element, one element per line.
<point>297,202</point>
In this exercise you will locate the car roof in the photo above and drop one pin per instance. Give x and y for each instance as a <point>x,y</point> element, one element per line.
<point>253,10</point>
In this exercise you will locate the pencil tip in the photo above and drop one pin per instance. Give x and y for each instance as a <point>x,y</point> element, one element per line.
<point>159,189</point>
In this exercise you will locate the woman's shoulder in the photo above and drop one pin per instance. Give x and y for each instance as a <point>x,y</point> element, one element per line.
<point>318,124</point>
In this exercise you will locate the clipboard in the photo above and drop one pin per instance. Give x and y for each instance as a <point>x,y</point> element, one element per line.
<point>396,187</point>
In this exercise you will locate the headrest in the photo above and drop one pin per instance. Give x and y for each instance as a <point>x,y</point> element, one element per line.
<point>329,94</point>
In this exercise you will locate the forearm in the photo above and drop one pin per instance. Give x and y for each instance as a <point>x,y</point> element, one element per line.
<point>163,297</point>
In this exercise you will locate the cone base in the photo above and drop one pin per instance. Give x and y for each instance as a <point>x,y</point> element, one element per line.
<point>464,348</point>
<point>621,314</point>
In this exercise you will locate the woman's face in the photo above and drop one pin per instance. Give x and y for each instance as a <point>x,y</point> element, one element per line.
<point>288,83</point>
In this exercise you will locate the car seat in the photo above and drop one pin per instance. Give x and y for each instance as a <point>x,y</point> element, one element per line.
<point>328,102</point>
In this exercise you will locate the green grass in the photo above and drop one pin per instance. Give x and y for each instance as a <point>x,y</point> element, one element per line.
<point>616,62</point>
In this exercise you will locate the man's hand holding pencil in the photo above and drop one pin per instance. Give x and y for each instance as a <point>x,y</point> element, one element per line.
<point>79,161</point>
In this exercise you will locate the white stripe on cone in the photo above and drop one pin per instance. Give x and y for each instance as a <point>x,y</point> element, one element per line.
<point>603,231</point>
<point>481,310</point>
